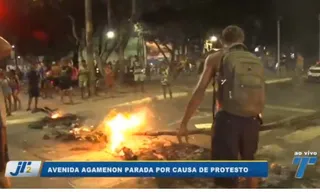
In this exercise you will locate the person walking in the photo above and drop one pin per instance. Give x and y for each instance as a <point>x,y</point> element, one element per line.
<point>240,95</point>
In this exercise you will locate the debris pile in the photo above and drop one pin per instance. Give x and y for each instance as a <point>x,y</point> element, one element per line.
<point>57,118</point>
<point>67,127</point>
<point>65,133</point>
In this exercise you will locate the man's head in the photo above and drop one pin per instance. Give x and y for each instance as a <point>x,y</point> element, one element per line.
<point>232,34</point>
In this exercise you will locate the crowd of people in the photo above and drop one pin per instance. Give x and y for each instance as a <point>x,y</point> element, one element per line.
<point>44,81</point>
<point>63,78</point>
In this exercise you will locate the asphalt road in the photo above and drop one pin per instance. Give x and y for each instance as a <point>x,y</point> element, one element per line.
<point>283,101</point>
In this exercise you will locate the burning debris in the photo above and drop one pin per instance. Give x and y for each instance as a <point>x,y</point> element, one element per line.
<point>127,154</point>
<point>114,130</point>
<point>119,126</point>
<point>56,118</point>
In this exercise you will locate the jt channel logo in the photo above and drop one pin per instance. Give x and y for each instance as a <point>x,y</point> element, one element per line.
<point>23,168</point>
<point>302,160</point>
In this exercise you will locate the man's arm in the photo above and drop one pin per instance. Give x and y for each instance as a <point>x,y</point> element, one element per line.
<point>208,73</point>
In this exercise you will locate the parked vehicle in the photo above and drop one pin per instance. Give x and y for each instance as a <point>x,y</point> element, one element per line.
<point>314,73</point>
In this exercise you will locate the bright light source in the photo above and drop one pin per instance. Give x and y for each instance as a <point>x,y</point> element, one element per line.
<point>18,57</point>
<point>292,55</point>
<point>264,48</point>
<point>213,38</point>
<point>110,34</point>
<point>12,46</point>
<point>256,49</point>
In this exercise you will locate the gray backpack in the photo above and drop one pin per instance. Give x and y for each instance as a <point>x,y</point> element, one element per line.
<point>241,89</point>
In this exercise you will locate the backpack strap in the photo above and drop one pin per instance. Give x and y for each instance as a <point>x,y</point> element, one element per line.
<point>216,82</point>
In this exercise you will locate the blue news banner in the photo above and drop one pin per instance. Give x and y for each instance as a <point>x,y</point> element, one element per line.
<point>139,169</point>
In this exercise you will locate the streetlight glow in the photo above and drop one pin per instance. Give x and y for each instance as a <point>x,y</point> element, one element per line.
<point>256,49</point>
<point>213,38</point>
<point>110,34</point>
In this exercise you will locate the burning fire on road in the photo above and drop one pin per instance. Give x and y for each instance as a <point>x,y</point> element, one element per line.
<point>56,115</point>
<point>120,126</point>
<point>114,134</point>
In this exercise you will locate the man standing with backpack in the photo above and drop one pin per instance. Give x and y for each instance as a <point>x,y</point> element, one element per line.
<point>240,94</point>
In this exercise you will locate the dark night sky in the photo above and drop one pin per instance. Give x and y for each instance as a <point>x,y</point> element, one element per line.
<point>299,24</point>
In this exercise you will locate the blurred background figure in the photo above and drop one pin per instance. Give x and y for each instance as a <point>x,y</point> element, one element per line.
<point>7,92</point>
<point>65,82</point>
<point>299,69</point>
<point>165,82</point>
<point>33,86</point>
<point>55,73</point>
<point>282,66</point>
<point>109,79</point>
<point>41,70</point>
<point>48,87</point>
<point>139,75</point>
<point>83,78</point>
<point>15,87</point>
<point>74,75</point>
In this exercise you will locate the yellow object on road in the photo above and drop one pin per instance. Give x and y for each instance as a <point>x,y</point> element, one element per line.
<point>203,126</point>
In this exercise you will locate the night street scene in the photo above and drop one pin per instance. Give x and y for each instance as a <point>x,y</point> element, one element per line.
<point>161,80</point>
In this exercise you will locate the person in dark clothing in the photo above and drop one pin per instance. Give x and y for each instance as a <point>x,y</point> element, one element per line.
<point>34,87</point>
<point>233,134</point>
<point>66,82</point>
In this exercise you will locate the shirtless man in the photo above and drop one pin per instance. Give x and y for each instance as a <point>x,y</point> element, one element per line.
<point>233,134</point>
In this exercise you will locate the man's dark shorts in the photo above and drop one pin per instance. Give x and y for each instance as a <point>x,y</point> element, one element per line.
<point>234,136</point>
<point>34,92</point>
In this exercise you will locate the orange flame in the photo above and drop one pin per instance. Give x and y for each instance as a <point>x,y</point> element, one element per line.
<point>55,115</point>
<point>121,126</point>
